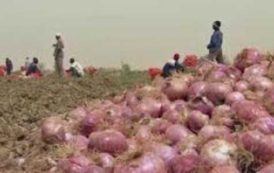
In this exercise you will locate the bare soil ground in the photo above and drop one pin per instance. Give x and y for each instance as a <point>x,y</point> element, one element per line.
<point>24,103</point>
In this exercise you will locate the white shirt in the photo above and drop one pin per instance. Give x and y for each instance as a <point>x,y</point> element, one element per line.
<point>78,67</point>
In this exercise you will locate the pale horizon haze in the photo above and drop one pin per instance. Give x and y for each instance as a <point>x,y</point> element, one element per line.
<point>142,33</point>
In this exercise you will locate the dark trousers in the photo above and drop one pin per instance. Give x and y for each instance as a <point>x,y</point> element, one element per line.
<point>216,56</point>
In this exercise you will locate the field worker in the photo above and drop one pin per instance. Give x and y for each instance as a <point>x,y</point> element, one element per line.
<point>171,66</point>
<point>33,67</point>
<point>9,66</point>
<point>76,69</point>
<point>27,63</point>
<point>216,42</point>
<point>59,54</point>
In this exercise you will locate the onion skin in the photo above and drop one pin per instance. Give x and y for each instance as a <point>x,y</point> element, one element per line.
<point>177,88</point>
<point>91,122</point>
<point>173,116</point>
<point>196,89</point>
<point>217,92</point>
<point>109,141</point>
<point>202,104</point>
<point>196,121</point>
<point>217,153</point>
<point>143,134</point>
<point>234,97</point>
<point>267,169</point>
<point>147,163</point>
<point>268,100</point>
<point>186,162</point>
<point>176,132</point>
<point>223,115</point>
<point>260,83</point>
<point>149,107</point>
<point>249,111</point>
<point>166,153</point>
<point>255,70</point>
<point>260,145</point>
<point>159,126</point>
<point>242,86</point>
<point>53,130</point>
<point>106,161</point>
<point>225,169</point>
<point>247,57</point>
<point>210,132</point>
<point>264,125</point>
<point>74,164</point>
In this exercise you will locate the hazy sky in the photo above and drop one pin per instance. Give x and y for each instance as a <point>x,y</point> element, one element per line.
<point>139,32</point>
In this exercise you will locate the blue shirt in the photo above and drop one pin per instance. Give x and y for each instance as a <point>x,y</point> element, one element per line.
<point>32,69</point>
<point>168,68</point>
<point>216,42</point>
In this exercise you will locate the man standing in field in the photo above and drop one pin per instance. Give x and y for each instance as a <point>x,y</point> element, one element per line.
<point>59,54</point>
<point>216,42</point>
<point>9,66</point>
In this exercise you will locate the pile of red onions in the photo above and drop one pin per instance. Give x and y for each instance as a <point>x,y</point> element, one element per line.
<point>219,120</point>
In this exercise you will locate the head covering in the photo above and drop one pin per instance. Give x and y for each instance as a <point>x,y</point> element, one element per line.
<point>58,35</point>
<point>176,56</point>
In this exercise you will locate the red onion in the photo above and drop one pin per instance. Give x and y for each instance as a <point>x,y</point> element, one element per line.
<point>79,142</point>
<point>165,152</point>
<point>249,111</point>
<point>260,83</point>
<point>53,130</point>
<point>267,169</point>
<point>187,162</point>
<point>173,116</point>
<point>261,146</point>
<point>255,70</point>
<point>94,169</point>
<point>265,125</point>
<point>131,99</point>
<point>159,126</point>
<point>225,169</point>
<point>210,132</point>
<point>217,92</point>
<point>217,153</point>
<point>234,97</point>
<point>108,141</point>
<point>147,163</point>
<point>91,122</point>
<point>202,104</point>
<point>106,161</point>
<point>242,86</point>
<point>196,89</point>
<point>74,164</point>
<point>176,88</point>
<point>190,142</point>
<point>247,57</point>
<point>223,115</point>
<point>196,121</point>
<point>268,100</point>
<point>177,132</point>
<point>149,107</point>
<point>216,76</point>
<point>178,105</point>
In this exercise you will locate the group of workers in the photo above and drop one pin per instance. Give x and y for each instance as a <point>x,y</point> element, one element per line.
<point>214,48</point>
<point>76,70</point>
